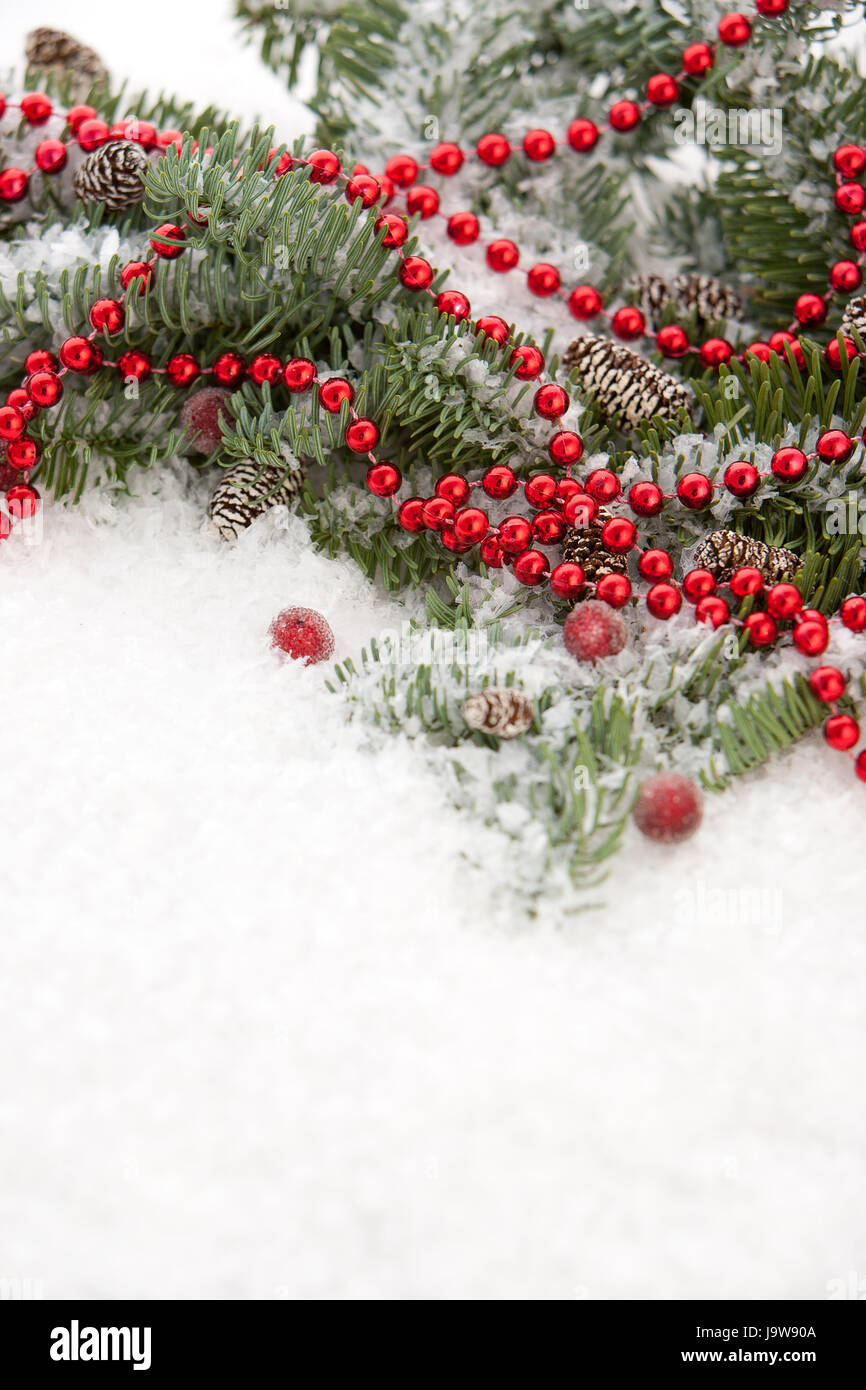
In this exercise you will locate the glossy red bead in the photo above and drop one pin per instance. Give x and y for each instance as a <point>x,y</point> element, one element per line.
<point>810,309</point>
<point>539,490</point>
<point>697,584</point>
<point>229,369</point>
<point>835,446</point>
<point>582,135</point>
<point>363,188</point>
<point>422,201</point>
<point>531,568</point>
<point>742,479</point>
<point>782,340</point>
<point>395,231</point>
<point>410,515</point>
<point>265,368</point>
<point>624,115</point>
<point>12,422</point>
<point>107,315</point>
<point>761,629</point>
<point>568,579</point>
<point>453,304</point>
<point>455,487</point>
<point>515,533</point>
<point>446,158</point>
<point>402,169</point>
<point>134,364</point>
<point>471,525</point>
<point>850,198</point>
<point>324,166</point>
<point>745,581</point>
<point>550,402</point>
<point>80,355</point>
<point>436,511</point>
<point>463,228</point>
<point>538,145</point>
<point>543,279</point>
<point>416,273</point>
<point>834,355</point>
<point>849,161</point>
<point>712,609</point>
<point>603,485</point>
<point>853,613</point>
<point>299,373</point>
<point>585,302</point>
<point>168,241</point>
<point>23,501</point>
<point>35,107</point>
<point>565,447</point>
<point>784,601</point>
<point>735,30</point>
<point>716,352</point>
<point>383,479</point>
<point>138,271</point>
<point>499,481</point>
<point>662,89</point>
<point>664,600</point>
<point>613,589</point>
<point>858,236</point>
<point>618,535</point>
<point>77,114</point>
<point>827,683</point>
<point>695,491</point>
<point>645,499</point>
<point>628,323</point>
<point>655,565</point>
<point>92,133</point>
<point>493,149</point>
<point>845,276</point>
<point>698,58</point>
<point>493,327</point>
<point>333,392</point>
<point>811,637</point>
<point>23,453</point>
<point>13,184</point>
<point>789,464</point>
<point>841,732</point>
<point>491,553</point>
<point>528,362</point>
<point>502,255</point>
<point>672,341</point>
<point>579,509</point>
<point>548,527</point>
<point>51,156</point>
<point>44,389</point>
<point>182,369</point>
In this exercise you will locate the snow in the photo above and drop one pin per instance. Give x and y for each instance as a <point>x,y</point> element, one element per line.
<point>271,1027</point>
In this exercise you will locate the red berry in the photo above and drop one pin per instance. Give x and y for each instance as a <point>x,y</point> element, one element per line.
<point>200,417</point>
<point>594,630</point>
<point>302,634</point>
<point>668,808</point>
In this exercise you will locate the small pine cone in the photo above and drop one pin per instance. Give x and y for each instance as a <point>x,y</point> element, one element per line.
<point>650,293</point>
<point>722,552</point>
<point>63,55</point>
<point>854,317</point>
<point>112,174</point>
<point>506,713</point>
<point>247,491</point>
<point>623,383</point>
<point>582,545</point>
<point>711,299</point>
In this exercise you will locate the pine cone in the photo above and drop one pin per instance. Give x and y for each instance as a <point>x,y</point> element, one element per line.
<point>63,55</point>
<point>583,545</point>
<point>854,317</point>
<point>722,552</point>
<point>710,298</point>
<point>245,492</point>
<point>112,174</point>
<point>506,713</point>
<point>623,383</point>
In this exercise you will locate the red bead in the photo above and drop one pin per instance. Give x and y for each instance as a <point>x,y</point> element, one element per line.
<point>168,241</point>
<point>436,511</point>
<point>835,446</point>
<point>502,255</point>
<point>12,422</point>
<point>464,228</point>
<point>672,341</point>
<point>568,579</point>
<point>182,369</point>
<point>35,108</point>
<point>789,464</point>
<point>299,373</point>
<point>265,367</point>
<point>746,580</point>
<point>51,156</point>
<point>365,188</point>
<point>591,632</point>
<point>582,135</point>
<point>811,637</point>
<point>383,479</point>
<point>303,634</point>
<point>810,309</point>
<point>697,59</point>
<point>23,501</point>
<point>134,364</point>
<point>783,339</point>
<point>697,584</point>
<point>654,565</point>
<point>543,279</point>
<point>565,447</point>
<point>451,541</point>
<point>144,134</point>
<point>550,402</point>
<point>166,138</point>
<point>664,600</point>
<point>422,201</point>
<point>853,613</point>
<point>761,629</point>
<point>387,188</point>
<point>833,353</point>
<point>858,236</point>
<point>471,525</point>
<point>585,302</point>
<point>136,270</point>
<point>695,491</point>
<point>229,368</point>
<point>860,765</point>
<point>712,609</point>
<point>668,809</point>
<point>76,114</point>
<point>402,169</point>
<point>18,398</point>
<point>396,230</point>
<point>515,533</point>
<point>44,388</point>
<point>455,487</point>
<point>453,303</point>
<point>539,491</point>
<point>645,499</point>
<point>845,276</point>
<point>771,8</point>
<point>40,360</point>
<point>613,589</point>
<point>80,355</point>
<point>742,479</point>
<point>528,360</point>
<point>333,392</point>
<point>628,323</point>
<point>735,30</point>
<point>499,481</point>
<point>13,184</point>
<point>538,145</point>
<point>841,732</point>
<point>579,509</point>
<point>22,453</point>
<point>849,161</point>
<point>446,158</point>
<point>415,273</point>
<point>324,166</point>
<point>603,485</point>
<point>493,327</point>
<point>624,115</point>
<point>107,316</point>
<point>850,198</point>
<point>493,149</point>
<point>662,89</point>
<point>784,600</point>
<point>618,535</point>
<point>759,350</point>
<point>531,568</point>
<point>716,352</point>
<point>491,553</point>
<point>828,684</point>
<point>90,134</point>
<point>410,515</point>
<point>548,527</point>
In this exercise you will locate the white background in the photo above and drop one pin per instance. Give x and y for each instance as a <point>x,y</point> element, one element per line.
<point>267,1033</point>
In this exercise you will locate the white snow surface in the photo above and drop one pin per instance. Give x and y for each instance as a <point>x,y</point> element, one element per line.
<point>268,1032</point>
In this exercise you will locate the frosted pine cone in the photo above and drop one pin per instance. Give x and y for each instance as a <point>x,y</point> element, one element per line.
<point>247,491</point>
<point>582,545</point>
<point>506,713</point>
<point>708,297</point>
<point>722,552</point>
<point>61,54</point>
<point>854,317</point>
<point>623,383</point>
<point>112,175</point>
